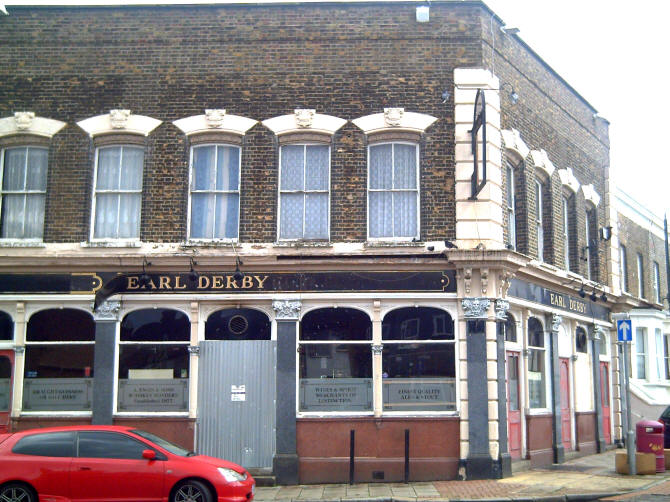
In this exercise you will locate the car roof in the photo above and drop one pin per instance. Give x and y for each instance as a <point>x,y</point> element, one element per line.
<point>71,428</point>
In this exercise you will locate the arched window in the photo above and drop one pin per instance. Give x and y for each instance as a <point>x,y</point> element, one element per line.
<point>237,324</point>
<point>59,361</point>
<point>507,328</point>
<point>6,326</point>
<point>335,360</point>
<point>537,355</point>
<point>418,360</point>
<point>154,361</point>
<point>581,340</point>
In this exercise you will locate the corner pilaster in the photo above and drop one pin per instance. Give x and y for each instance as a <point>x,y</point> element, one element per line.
<point>106,317</point>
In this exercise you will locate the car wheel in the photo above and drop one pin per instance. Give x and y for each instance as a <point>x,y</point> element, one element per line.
<point>16,492</point>
<point>191,491</point>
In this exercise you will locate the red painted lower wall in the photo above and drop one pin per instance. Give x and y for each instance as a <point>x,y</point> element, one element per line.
<point>539,433</point>
<point>323,449</point>
<point>586,431</point>
<point>180,431</point>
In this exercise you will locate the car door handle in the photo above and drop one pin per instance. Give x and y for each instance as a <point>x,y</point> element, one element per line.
<point>84,468</point>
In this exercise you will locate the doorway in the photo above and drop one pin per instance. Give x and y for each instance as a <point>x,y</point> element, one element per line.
<point>566,412</point>
<point>513,406</point>
<point>605,401</point>
<point>6,366</point>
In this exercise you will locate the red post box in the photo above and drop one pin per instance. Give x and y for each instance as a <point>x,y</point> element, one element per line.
<point>649,438</point>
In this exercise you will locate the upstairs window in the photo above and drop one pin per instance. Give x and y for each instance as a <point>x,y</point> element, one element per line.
<point>539,216</point>
<point>641,352</point>
<point>118,192</point>
<point>591,245</point>
<point>568,234</point>
<point>215,192</point>
<point>640,276</point>
<point>623,265</point>
<point>393,191</point>
<point>511,214</point>
<point>24,183</point>
<point>304,196</point>
<point>657,283</point>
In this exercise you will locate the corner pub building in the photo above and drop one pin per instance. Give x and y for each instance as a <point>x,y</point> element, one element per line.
<point>272,232</point>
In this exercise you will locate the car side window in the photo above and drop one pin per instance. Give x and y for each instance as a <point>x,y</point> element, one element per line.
<point>666,413</point>
<point>109,445</point>
<point>48,444</point>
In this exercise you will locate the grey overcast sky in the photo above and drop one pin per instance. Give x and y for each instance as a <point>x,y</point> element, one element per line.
<point>612,52</point>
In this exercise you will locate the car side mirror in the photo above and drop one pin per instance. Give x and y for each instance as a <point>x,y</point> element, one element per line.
<point>149,454</point>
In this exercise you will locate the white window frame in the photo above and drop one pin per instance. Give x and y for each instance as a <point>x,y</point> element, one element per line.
<point>666,356</point>
<point>191,191</point>
<point>545,375</point>
<point>641,352</point>
<point>392,190</point>
<point>587,218</point>
<point>640,275</point>
<point>623,268</point>
<point>23,192</point>
<point>280,191</point>
<point>659,351</point>
<point>511,203</point>
<point>539,219</point>
<point>192,379</point>
<point>96,192</point>
<point>657,283</point>
<point>566,233</point>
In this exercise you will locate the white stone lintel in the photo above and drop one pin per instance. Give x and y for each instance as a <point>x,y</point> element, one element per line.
<point>285,124</point>
<point>407,121</point>
<point>133,124</point>
<point>28,123</point>
<point>233,124</point>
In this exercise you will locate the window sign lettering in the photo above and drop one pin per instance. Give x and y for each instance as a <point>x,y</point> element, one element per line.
<point>336,394</point>
<point>153,395</point>
<point>4,394</point>
<point>57,394</point>
<point>426,394</point>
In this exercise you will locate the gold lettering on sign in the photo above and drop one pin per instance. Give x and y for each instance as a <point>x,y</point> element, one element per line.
<point>177,283</point>
<point>260,281</point>
<point>557,300</point>
<point>247,282</point>
<point>164,282</point>
<point>132,283</point>
<point>217,281</point>
<point>231,282</point>
<point>577,306</point>
<point>203,282</point>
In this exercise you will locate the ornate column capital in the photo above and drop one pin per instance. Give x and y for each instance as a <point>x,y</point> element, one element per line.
<point>194,349</point>
<point>475,308</point>
<point>501,308</point>
<point>556,321</point>
<point>596,332</point>
<point>107,311</point>
<point>377,349</point>
<point>287,309</point>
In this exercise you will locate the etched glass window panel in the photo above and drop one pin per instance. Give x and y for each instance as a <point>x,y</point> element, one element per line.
<point>204,168</point>
<point>292,167</point>
<point>381,161</point>
<point>316,216</point>
<point>291,218</point>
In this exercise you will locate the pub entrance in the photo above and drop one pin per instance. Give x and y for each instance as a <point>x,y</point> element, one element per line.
<point>6,365</point>
<point>236,389</point>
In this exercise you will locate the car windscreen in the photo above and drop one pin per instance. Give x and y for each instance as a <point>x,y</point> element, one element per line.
<point>163,443</point>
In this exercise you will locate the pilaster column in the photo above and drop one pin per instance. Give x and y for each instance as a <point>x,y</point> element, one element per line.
<point>501,308</point>
<point>377,348</point>
<point>193,354</point>
<point>19,358</point>
<point>596,337</point>
<point>482,415</point>
<point>106,317</point>
<point>285,462</point>
<point>554,321</point>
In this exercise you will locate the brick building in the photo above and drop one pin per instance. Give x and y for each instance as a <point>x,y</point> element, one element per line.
<point>642,279</point>
<point>262,219</point>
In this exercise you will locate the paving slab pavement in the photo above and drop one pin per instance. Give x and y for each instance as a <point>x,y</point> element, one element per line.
<point>585,478</point>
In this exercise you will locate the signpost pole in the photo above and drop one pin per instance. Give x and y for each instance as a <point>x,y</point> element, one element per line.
<point>630,437</point>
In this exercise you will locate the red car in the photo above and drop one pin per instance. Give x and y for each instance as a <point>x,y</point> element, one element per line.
<point>111,463</point>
